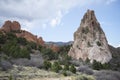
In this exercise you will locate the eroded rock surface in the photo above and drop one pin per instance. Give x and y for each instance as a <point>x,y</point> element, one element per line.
<point>90,41</point>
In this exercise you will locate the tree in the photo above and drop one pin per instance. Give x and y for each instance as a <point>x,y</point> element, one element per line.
<point>2,38</point>
<point>56,67</point>
<point>22,41</point>
<point>24,53</point>
<point>97,65</point>
<point>66,67</point>
<point>48,54</point>
<point>87,61</point>
<point>47,65</point>
<point>72,69</point>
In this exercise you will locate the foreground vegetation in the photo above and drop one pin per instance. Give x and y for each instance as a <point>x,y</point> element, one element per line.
<point>57,65</point>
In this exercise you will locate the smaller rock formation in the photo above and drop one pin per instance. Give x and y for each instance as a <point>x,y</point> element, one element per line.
<point>16,28</point>
<point>11,26</point>
<point>54,47</point>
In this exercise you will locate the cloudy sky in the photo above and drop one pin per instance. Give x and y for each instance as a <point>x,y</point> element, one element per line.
<point>57,20</point>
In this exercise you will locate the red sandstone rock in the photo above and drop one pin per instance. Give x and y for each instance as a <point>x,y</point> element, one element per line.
<point>15,26</point>
<point>11,26</point>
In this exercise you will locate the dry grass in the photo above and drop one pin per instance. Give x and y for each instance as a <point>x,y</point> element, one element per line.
<point>64,78</point>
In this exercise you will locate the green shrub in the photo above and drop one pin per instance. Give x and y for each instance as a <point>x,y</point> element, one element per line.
<point>72,69</point>
<point>64,73</point>
<point>22,41</point>
<point>66,67</point>
<point>47,65</point>
<point>56,67</point>
<point>12,49</point>
<point>48,53</point>
<point>97,65</point>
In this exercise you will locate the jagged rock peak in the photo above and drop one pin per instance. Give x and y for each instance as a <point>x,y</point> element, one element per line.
<point>11,26</point>
<point>90,41</point>
<point>89,15</point>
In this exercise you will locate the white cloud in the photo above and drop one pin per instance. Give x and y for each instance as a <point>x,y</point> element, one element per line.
<point>53,22</point>
<point>56,21</point>
<point>36,13</point>
<point>110,1</point>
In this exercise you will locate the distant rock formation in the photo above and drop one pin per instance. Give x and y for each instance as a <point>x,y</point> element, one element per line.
<point>53,47</point>
<point>90,41</point>
<point>16,28</point>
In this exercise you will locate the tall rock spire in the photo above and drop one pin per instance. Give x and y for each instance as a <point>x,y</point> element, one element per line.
<point>90,41</point>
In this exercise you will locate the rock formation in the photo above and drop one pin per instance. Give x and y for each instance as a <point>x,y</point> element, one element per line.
<point>16,28</point>
<point>90,41</point>
<point>53,47</point>
<point>30,37</point>
<point>11,26</point>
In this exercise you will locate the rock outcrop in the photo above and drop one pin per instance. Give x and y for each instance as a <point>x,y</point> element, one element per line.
<point>11,26</point>
<point>53,47</point>
<point>90,41</point>
<point>16,28</point>
<point>30,37</point>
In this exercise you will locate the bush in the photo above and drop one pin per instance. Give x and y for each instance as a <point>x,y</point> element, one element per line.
<point>35,60</point>
<point>32,45</point>
<point>97,65</point>
<point>64,58</point>
<point>65,73</point>
<point>12,46</point>
<point>47,65</point>
<point>5,65</point>
<point>56,67</point>
<point>48,54</point>
<point>86,70</point>
<point>22,41</point>
<point>107,75</point>
<point>72,69</point>
<point>24,53</point>
<point>66,67</point>
<point>2,38</point>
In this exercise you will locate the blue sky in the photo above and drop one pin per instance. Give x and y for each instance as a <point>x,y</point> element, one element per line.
<point>57,20</point>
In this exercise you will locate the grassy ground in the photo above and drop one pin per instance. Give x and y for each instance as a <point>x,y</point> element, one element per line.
<point>33,73</point>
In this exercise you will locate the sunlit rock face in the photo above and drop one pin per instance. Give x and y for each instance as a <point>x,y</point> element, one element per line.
<point>11,26</point>
<point>90,41</point>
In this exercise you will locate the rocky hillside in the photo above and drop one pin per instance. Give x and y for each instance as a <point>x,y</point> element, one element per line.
<point>90,41</point>
<point>115,61</point>
<point>16,28</point>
